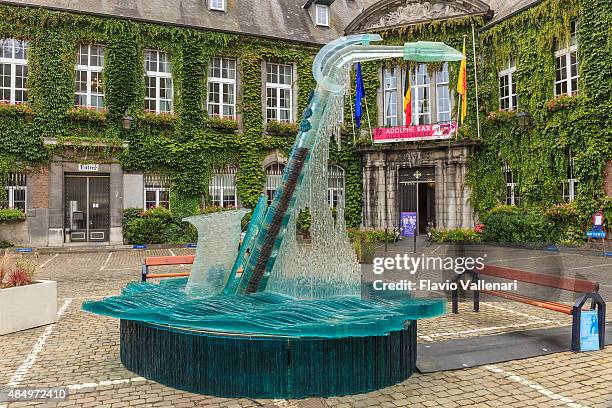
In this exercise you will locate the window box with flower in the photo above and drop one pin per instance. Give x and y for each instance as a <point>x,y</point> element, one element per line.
<point>222,123</point>
<point>8,109</point>
<point>82,114</point>
<point>275,127</point>
<point>501,116</point>
<point>165,120</point>
<point>561,102</point>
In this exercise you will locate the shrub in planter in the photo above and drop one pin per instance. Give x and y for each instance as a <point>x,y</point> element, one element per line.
<point>304,222</point>
<point>16,272</point>
<point>376,236</point>
<point>457,236</point>
<point>24,302</point>
<point>156,226</point>
<point>11,214</point>
<point>6,244</point>
<point>514,226</point>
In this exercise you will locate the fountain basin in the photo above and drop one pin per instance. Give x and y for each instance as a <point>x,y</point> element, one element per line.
<point>235,365</point>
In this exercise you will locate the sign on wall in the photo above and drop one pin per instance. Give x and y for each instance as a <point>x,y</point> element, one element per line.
<point>437,131</point>
<point>88,167</point>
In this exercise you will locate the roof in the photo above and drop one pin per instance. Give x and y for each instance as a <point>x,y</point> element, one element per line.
<point>507,8</point>
<point>285,19</point>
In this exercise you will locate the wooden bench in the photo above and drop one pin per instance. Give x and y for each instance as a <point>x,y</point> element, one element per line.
<point>165,261</point>
<point>588,289</point>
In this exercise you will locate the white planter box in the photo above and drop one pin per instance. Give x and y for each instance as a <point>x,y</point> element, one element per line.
<point>25,307</point>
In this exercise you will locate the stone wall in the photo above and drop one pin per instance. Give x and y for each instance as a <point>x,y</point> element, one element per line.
<point>380,180</point>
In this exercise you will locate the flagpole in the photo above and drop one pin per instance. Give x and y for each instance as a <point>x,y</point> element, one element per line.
<point>368,115</point>
<point>476,80</point>
<point>352,113</point>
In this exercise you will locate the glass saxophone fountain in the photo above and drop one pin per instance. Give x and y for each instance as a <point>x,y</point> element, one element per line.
<point>272,317</point>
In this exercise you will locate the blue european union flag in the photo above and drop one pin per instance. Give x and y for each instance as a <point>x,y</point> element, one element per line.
<point>359,95</point>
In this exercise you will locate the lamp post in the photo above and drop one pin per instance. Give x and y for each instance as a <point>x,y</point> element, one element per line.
<point>417,177</point>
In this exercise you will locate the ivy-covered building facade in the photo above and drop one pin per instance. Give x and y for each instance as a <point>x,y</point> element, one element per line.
<point>192,105</point>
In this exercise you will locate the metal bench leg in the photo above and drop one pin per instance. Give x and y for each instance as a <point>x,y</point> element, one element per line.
<point>475,279</point>
<point>576,312</point>
<point>144,272</point>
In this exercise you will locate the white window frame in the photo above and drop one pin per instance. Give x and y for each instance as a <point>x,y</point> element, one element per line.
<point>571,183</point>
<point>13,63</point>
<point>274,174</point>
<point>218,5</point>
<point>157,75</point>
<point>278,87</point>
<point>322,15</point>
<point>222,82</point>
<point>160,184</point>
<point>19,184</point>
<point>513,198</point>
<point>439,84</point>
<point>391,116</point>
<point>508,74</point>
<point>336,181</point>
<point>566,54</point>
<point>218,187</point>
<point>416,112</point>
<point>90,69</point>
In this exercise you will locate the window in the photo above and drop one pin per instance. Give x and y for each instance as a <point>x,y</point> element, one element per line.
<point>421,109</point>
<point>14,70</point>
<point>322,13</point>
<point>566,65</point>
<point>390,79</point>
<point>88,91</point>
<point>279,92</point>
<point>222,187</point>
<point>512,196</point>
<point>335,189</point>
<point>570,185</point>
<point>156,191</point>
<point>507,88</point>
<point>424,89</point>
<point>217,5</point>
<point>16,192</point>
<point>222,88</point>
<point>443,101</point>
<point>274,174</point>
<point>158,82</point>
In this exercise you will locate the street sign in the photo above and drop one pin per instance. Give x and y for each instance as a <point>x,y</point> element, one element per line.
<point>596,234</point>
<point>598,221</point>
<point>89,167</point>
<point>23,249</point>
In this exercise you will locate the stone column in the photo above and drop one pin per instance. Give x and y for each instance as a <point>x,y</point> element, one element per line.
<point>440,195</point>
<point>381,196</point>
<point>116,203</point>
<point>56,204</point>
<point>38,206</point>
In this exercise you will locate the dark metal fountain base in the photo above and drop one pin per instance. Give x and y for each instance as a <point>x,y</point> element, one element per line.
<point>228,365</point>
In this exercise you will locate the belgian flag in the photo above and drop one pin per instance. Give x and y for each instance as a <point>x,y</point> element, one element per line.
<point>462,84</point>
<point>408,96</point>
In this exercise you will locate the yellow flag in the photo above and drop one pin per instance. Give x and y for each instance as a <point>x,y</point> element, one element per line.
<point>462,84</point>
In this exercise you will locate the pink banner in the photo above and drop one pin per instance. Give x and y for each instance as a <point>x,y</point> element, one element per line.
<point>440,131</point>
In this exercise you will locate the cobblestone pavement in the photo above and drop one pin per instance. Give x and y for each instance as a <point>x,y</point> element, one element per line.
<point>81,350</point>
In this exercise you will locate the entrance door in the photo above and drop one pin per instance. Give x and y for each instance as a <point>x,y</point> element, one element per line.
<point>417,193</point>
<point>87,207</point>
